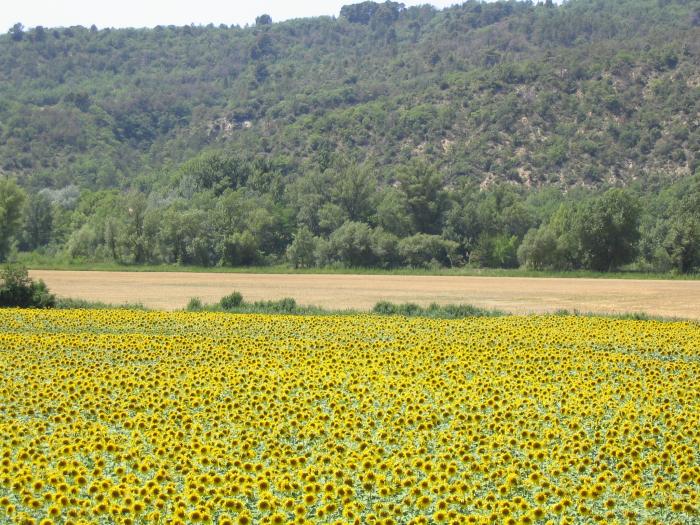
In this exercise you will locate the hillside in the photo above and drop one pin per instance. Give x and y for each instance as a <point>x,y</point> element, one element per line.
<point>591,91</point>
<point>489,134</point>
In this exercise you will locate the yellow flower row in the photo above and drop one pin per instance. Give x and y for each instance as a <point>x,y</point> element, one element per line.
<point>151,417</point>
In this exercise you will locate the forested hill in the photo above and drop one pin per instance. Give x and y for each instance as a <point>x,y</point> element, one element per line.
<point>490,134</point>
<point>592,92</point>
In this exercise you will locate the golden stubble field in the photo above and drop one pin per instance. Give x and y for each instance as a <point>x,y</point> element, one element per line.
<point>172,290</point>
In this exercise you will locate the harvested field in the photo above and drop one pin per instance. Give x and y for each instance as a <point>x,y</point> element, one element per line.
<point>172,290</point>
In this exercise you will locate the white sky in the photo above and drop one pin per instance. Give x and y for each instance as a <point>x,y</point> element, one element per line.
<point>150,13</point>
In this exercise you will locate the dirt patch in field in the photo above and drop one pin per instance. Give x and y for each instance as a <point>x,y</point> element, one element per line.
<point>172,290</point>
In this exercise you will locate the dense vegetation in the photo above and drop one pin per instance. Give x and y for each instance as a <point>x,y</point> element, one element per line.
<point>492,134</point>
<point>17,289</point>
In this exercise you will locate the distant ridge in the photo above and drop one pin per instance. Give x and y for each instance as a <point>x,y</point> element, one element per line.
<point>584,93</point>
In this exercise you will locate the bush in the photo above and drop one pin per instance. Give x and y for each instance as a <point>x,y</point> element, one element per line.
<point>384,308</point>
<point>286,305</point>
<point>195,305</point>
<point>231,301</point>
<point>437,311</point>
<point>67,303</point>
<point>17,289</point>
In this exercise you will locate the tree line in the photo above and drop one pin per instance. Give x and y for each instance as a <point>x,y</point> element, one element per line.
<point>219,209</point>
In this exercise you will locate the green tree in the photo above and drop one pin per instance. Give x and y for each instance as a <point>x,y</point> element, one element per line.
<point>421,249</point>
<point>12,199</point>
<point>213,171</point>
<point>385,247</point>
<point>263,20</point>
<point>241,249</point>
<point>426,198</point>
<point>135,235</point>
<point>351,244</point>
<point>538,250</point>
<point>300,252</point>
<point>608,228</point>
<point>17,32</point>
<point>392,213</point>
<point>38,221</point>
<point>360,13</point>
<point>683,239</point>
<point>331,216</point>
<point>353,190</point>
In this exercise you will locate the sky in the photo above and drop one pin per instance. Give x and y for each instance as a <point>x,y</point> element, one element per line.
<point>150,13</point>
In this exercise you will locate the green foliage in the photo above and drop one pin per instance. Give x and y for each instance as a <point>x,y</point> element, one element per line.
<point>194,305</point>
<point>608,230</point>
<point>17,289</point>
<point>38,222</point>
<point>599,233</point>
<point>538,251</point>
<point>682,243</point>
<point>386,137</point>
<point>351,245</point>
<point>281,306</point>
<point>301,252</point>
<point>231,301</point>
<point>591,88</point>
<point>11,203</point>
<point>434,310</point>
<point>421,250</point>
<point>426,199</point>
<point>240,249</point>
<point>67,303</point>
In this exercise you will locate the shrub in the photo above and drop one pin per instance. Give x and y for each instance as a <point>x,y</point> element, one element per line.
<point>434,310</point>
<point>231,301</point>
<point>195,305</point>
<point>286,305</point>
<point>19,290</point>
<point>384,308</point>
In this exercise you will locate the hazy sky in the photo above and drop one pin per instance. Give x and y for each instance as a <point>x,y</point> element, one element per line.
<point>150,13</point>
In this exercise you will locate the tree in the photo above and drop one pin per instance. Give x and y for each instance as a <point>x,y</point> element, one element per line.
<point>683,239</point>
<point>263,20</point>
<point>12,200</point>
<point>213,171</point>
<point>331,217</point>
<point>351,244</point>
<point>241,249</point>
<point>360,13</point>
<point>420,250</point>
<point>264,46</point>
<point>385,247</point>
<point>39,34</point>
<point>608,229</point>
<point>38,221</point>
<point>426,198</point>
<point>538,251</point>
<point>353,190</point>
<point>17,32</point>
<point>301,252</point>
<point>505,251</point>
<point>135,236</point>
<point>695,18</point>
<point>495,251</point>
<point>392,213</point>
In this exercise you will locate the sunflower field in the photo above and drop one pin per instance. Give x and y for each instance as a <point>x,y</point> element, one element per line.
<point>117,416</point>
